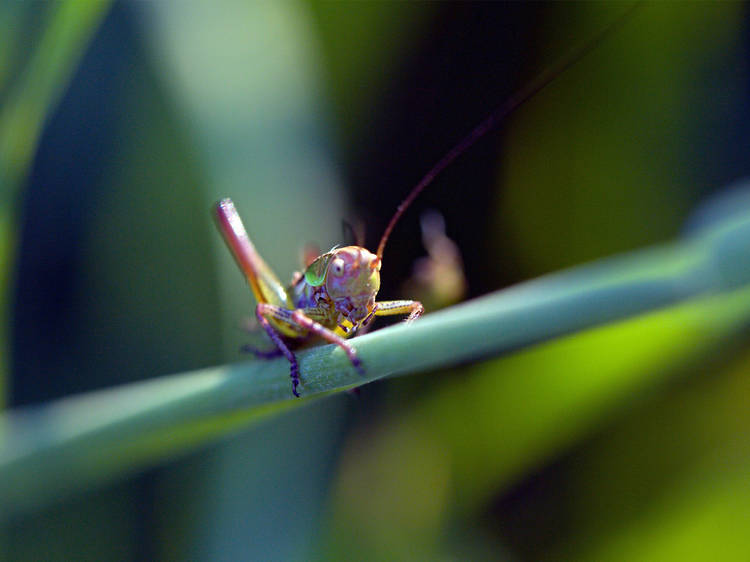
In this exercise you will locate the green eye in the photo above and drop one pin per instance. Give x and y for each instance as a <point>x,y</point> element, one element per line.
<point>315,274</point>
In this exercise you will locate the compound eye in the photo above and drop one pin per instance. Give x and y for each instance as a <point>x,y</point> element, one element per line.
<point>337,267</point>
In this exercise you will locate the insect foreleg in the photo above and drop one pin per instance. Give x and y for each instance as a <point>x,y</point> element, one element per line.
<point>302,318</point>
<point>388,308</point>
<point>301,321</point>
<point>262,311</point>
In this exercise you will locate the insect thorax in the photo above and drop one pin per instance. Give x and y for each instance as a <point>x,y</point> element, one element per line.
<point>340,316</point>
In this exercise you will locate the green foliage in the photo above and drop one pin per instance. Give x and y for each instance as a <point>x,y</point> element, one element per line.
<point>26,103</point>
<point>595,412</point>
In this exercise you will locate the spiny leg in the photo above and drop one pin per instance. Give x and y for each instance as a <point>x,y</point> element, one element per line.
<point>260,311</point>
<point>301,319</point>
<point>389,308</point>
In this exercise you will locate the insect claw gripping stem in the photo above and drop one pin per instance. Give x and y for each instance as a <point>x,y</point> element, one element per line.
<point>304,321</point>
<point>260,312</point>
<point>299,319</point>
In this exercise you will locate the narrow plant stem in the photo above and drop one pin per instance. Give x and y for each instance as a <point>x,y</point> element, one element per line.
<point>73,443</point>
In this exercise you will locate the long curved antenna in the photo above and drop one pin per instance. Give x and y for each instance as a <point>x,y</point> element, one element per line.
<point>497,116</point>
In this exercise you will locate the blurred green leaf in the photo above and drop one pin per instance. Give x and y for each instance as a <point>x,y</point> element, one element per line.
<point>664,481</point>
<point>609,157</point>
<point>361,47</point>
<point>475,435</point>
<point>68,28</point>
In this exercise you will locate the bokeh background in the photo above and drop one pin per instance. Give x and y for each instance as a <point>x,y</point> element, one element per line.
<point>624,442</point>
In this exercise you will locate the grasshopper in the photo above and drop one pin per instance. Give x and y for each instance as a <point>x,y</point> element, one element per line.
<point>336,294</point>
<point>332,299</point>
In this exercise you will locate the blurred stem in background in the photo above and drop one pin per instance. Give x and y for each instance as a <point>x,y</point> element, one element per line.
<point>26,104</point>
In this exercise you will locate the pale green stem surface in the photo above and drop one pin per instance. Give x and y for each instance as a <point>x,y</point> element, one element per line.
<point>73,443</point>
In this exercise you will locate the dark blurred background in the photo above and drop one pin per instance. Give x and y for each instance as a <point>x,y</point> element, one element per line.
<point>621,443</point>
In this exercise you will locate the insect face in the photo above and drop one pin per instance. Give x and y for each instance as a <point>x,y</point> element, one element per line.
<point>354,275</point>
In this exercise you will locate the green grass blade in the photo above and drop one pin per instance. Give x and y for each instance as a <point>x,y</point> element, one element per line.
<point>75,442</point>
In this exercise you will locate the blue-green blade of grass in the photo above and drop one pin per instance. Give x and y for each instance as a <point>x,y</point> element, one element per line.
<point>76,442</point>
